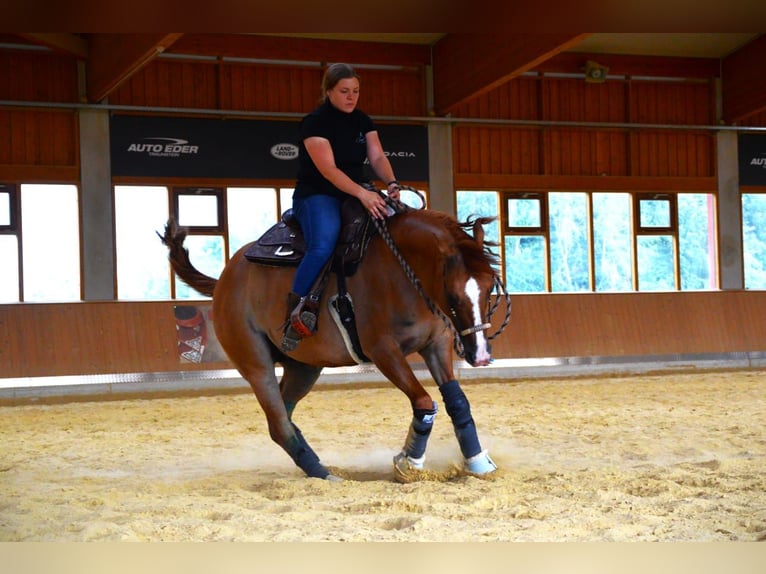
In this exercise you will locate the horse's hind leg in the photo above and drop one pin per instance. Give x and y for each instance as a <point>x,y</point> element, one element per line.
<point>298,379</point>
<point>258,370</point>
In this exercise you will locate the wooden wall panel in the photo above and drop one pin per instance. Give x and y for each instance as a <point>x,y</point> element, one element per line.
<point>170,83</point>
<point>264,87</point>
<point>517,99</point>
<point>393,92</point>
<point>623,324</point>
<point>585,152</point>
<point>494,149</point>
<point>38,137</point>
<point>574,100</point>
<point>87,338</point>
<point>743,86</point>
<point>676,103</point>
<point>676,154</point>
<point>90,338</point>
<point>269,88</point>
<point>589,151</point>
<point>37,77</point>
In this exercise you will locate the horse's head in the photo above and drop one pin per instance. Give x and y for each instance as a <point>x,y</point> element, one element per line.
<point>469,282</point>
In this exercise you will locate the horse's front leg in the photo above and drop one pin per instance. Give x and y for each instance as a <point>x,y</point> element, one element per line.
<point>438,358</point>
<point>389,359</point>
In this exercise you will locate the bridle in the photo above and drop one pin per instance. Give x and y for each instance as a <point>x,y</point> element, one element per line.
<point>380,225</point>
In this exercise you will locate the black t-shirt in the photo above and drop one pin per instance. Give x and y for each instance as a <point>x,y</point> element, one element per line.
<point>346,133</point>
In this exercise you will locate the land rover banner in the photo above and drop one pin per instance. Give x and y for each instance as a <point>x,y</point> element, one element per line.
<point>152,146</point>
<point>752,159</point>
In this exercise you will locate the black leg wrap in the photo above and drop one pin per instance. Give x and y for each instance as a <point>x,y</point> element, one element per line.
<point>459,411</point>
<point>306,458</point>
<point>420,430</point>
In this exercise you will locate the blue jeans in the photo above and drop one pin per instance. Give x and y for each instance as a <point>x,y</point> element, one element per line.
<point>319,216</point>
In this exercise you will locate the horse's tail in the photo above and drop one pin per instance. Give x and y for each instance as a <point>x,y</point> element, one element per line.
<point>179,260</point>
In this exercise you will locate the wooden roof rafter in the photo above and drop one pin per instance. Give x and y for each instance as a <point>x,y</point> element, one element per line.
<point>468,65</point>
<point>114,58</point>
<point>64,42</point>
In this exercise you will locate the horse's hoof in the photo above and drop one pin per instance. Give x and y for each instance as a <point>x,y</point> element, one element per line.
<point>480,464</point>
<point>406,461</point>
<point>333,478</point>
<point>407,468</point>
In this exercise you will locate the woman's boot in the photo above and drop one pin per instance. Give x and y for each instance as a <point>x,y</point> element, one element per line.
<point>301,321</point>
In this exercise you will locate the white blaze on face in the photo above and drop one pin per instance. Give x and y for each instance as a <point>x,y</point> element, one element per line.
<point>472,291</point>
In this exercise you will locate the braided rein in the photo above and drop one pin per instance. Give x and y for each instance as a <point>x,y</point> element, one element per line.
<point>380,224</point>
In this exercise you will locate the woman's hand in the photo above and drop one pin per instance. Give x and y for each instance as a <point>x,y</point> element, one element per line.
<point>393,189</point>
<point>373,203</point>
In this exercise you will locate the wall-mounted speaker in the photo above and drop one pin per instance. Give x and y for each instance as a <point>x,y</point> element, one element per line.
<point>595,72</point>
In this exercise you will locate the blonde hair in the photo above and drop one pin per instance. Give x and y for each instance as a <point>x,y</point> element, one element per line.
<point>334,74</point>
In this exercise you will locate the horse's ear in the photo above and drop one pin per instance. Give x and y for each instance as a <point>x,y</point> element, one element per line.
<point>478,231</point>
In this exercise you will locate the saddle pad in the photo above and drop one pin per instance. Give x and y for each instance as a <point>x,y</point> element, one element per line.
<point>342,312</point>
<point>280,246</point>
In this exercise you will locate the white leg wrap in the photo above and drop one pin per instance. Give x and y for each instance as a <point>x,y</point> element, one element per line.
<point>416,463</point>
<point>480,463</point>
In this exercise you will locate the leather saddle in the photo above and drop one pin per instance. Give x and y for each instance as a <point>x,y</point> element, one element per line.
<point>283,244</point>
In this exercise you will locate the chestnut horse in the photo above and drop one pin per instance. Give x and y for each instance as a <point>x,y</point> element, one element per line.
<point>423,285</point>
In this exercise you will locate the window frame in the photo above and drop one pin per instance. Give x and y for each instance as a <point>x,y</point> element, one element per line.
<point>14,205</point>
<point>671,198</point>
<point>542,230</point>
<point>541,196</point>
<point>672,229</point>
<point>220,196</point>
<point>14,228</point>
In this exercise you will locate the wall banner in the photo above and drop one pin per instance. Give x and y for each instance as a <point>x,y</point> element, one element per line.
<point>155,146</point>
<point>752,159</point>
<point>407,149</point>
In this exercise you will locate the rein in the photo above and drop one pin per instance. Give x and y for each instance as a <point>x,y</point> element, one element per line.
<point>380,225</point>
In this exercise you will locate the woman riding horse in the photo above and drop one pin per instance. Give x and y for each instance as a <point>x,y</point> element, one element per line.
<point>424,286</point>
<point>336,139</point>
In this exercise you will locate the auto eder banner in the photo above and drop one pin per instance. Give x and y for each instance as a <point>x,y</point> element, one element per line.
<point>153,146</point>
<point>752,159</point>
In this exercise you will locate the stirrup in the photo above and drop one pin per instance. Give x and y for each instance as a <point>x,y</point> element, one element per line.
<point>290,339</point>
<point>299,327</point>
<point>304,323</point>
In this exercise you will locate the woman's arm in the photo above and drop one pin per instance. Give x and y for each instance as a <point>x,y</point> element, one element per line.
<point>380,164</point>
<point>320,151</point>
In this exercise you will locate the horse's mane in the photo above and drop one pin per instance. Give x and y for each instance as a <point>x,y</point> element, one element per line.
<point>478,258</point>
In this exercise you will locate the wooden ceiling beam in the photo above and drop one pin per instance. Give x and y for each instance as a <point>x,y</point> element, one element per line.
<point>115,57</point>
<point>743,84</point>
<point>257,47</point>
<point>468,65</point>
<point>66,43</point>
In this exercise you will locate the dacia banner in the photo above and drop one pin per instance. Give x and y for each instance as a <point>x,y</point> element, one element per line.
<point>154,146</point>
<point>752,159</point>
